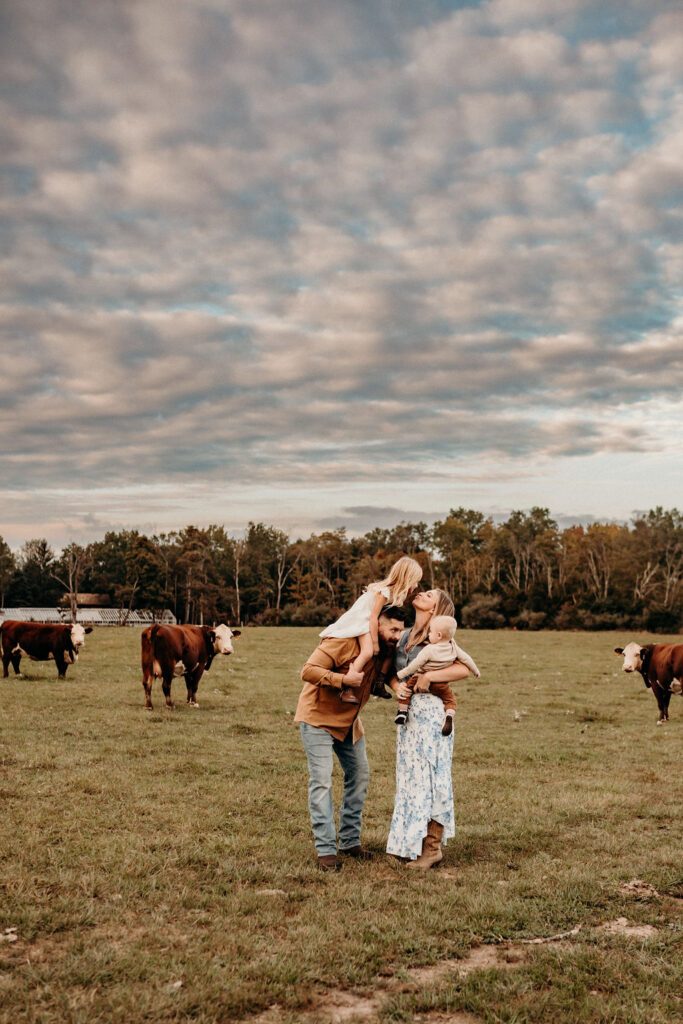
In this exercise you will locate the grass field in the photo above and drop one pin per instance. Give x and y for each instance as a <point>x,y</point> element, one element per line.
<point>160,867</point>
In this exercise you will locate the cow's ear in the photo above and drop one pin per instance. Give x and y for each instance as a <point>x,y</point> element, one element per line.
<point>643,651</point>
<point>212,636</point>
<point>88,629</point>
<point>236,632</point>
<point>618,650</point>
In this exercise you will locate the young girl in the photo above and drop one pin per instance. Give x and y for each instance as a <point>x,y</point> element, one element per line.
<point>361,618</point>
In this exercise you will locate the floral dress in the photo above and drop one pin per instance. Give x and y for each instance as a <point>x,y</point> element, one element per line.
<point>424,788</point>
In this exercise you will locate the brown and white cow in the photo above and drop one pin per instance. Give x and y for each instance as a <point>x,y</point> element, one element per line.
<point>188,651</point>
<point>41,642</point>
<point>661,666</point>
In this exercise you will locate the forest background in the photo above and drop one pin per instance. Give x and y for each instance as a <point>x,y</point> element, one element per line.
<point>524,572</point>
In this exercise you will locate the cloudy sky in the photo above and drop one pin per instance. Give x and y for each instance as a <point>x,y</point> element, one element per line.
<point>326,262</point>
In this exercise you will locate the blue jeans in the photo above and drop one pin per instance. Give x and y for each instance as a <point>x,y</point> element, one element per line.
<point>319,746</point>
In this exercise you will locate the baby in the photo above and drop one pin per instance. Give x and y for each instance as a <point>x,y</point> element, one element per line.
<point>440,652</point>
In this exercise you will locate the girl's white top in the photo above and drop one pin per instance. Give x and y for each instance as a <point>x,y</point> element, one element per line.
<point>356,620</point>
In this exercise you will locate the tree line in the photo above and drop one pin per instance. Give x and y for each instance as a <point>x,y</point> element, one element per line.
<point>525,572</point>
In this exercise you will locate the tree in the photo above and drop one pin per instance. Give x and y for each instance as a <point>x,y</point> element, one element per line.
<point>69,571</point>
<point>33,583</point>
<point>287,557</point>
<point>8,567</point>
<point>459,539</point>
<point>528,544</point>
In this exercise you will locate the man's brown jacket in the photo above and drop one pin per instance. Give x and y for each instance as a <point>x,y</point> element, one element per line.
<point>323,676</point>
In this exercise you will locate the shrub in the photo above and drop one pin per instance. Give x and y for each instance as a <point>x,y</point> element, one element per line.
<point>482,613</point>
<point>527,619</point>
<point>310,613</point>
<point>663,620</point>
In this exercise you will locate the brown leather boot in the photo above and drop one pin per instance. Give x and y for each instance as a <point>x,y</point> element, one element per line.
<point>349,696</point>
<point>431,848</point>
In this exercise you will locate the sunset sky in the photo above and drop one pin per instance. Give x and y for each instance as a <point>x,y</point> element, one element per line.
<point>338,262</point>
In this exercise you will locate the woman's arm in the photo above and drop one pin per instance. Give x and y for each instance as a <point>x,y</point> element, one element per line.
<point>451,674</point>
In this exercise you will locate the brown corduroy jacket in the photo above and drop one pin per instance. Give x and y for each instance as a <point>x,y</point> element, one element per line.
<point>323,676</point>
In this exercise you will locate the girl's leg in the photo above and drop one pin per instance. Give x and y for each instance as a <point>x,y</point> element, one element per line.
<point>365,653</point>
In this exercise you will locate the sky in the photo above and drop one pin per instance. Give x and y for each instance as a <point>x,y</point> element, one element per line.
<point>326,263</point>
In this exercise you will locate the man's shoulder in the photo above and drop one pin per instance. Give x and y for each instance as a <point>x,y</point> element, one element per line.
<point>340,649</point>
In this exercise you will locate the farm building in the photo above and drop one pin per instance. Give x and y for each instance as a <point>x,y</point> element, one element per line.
<point>89,616</point>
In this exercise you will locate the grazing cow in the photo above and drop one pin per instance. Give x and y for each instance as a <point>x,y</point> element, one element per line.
<point>188,651</point>
<point>661,666</point>
<point>41,642</point>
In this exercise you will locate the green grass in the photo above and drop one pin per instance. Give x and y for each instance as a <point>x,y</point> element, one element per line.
<point>139,849</point>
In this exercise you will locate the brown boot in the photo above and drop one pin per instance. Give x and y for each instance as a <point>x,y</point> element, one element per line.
<point>431,848</point>
<point>349,696</point>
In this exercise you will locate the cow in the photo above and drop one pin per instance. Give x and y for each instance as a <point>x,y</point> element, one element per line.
<point>41,642</point>
<point>661,666</point>
<point>188,651</point>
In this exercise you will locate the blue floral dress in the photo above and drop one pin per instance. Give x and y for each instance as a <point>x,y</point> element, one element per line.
<point>424,788</point>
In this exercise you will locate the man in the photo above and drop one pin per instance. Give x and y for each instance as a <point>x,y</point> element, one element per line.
<point>330,724</point>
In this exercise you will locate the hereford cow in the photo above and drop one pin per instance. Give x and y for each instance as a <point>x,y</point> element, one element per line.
<point>661,666</point>
<point>41,642</point>
<point>188,651</point>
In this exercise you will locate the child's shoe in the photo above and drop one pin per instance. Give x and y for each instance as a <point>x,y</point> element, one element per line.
<point>448,724</point>
<point>348,695</point>
<point>401,717</point>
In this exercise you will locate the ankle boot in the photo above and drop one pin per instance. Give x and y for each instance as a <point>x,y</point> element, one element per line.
<point>349,696</point>
<point>431,848</point>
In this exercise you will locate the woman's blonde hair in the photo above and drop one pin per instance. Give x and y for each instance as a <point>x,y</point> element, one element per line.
<point>443,606</point>
<point>404,576</point>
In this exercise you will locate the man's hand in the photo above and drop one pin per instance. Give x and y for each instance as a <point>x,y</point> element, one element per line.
<point>353,678</point>
<point>423,681</point>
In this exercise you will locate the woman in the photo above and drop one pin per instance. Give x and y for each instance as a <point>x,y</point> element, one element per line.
<point>423,806</point>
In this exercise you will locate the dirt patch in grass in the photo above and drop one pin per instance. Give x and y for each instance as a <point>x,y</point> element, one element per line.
<point>338,1006</point>
<point>631,931</point>
<point>638,889</point>
<point>447,1018</point>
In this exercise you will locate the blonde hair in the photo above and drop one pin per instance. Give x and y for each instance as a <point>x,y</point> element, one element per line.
<point>443,606</point>
<point>444,624</point>
<point>404,576</point>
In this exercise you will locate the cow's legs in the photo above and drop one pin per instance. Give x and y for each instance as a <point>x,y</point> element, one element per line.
<point>166,687</point>
<point>6,658</point>
<point>16,662</point>
<point>663,698</point>
<point>147,686</point>
<point>192,682</point>
<point>61,666</point>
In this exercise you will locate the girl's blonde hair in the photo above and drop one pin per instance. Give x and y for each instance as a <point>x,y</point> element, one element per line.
<point>443,606</point>
<point>404,576</point>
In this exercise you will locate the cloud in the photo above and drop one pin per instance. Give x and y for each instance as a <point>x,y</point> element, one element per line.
<point>253,242</point>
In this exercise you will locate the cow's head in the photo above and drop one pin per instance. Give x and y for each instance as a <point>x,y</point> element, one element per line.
<point>633,656</point>
<point>221,637</point>
<point>78,634</point>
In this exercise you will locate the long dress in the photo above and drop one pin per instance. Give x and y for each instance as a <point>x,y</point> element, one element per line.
<point>356,620</point>
<point>424,787</point>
